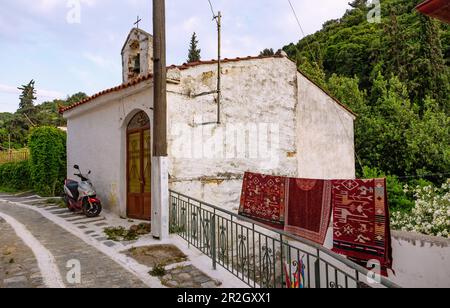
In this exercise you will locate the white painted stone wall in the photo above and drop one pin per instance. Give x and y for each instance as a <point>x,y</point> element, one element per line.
<point>311,140</point>
<point>300,126</point>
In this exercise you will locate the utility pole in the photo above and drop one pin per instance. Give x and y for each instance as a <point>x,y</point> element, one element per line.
<point>218,91</point>
<point>160,174</point>
<point>219,66</point>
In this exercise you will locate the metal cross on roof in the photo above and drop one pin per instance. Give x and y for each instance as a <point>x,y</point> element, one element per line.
<point>137,22</point>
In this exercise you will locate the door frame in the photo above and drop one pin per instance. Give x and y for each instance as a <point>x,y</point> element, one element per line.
<point>129,132</point>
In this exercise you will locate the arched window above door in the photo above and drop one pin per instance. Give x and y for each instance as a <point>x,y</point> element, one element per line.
<point>140,120</point>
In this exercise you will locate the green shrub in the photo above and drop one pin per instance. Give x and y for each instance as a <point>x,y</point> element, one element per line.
<point>15,176</point>
<point>431,214</point>
<point>399,198</point>
<point>48,160</point>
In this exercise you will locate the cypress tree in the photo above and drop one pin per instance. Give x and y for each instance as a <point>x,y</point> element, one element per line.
<point>194,51</point>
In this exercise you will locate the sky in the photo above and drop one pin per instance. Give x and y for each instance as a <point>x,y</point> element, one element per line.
<point>68,46</point>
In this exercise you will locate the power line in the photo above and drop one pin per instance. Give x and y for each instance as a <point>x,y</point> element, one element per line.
<point>212,10</point>
<point>303,32</point>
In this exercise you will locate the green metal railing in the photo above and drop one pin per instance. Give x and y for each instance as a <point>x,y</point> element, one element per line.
<point>260,256</point>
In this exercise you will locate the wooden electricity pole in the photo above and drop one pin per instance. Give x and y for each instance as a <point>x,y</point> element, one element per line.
<point>160,78</point>
<point>219,66</point>
<point>160,172</point>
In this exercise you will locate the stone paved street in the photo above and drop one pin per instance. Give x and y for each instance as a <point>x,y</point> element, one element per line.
<point>105,263</point>
<point>97,269</point>
<point>18,267</point>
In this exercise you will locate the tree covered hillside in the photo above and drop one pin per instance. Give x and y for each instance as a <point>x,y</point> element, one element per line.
<point>15,127</point>
<point>395,75</point>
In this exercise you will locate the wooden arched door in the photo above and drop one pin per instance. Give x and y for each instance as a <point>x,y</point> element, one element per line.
<point>139,167</point>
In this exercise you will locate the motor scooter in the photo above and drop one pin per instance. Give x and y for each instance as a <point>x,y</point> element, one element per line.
<point>81,197</point>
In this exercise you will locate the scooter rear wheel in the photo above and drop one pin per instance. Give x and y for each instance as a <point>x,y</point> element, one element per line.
<point>92,210</point>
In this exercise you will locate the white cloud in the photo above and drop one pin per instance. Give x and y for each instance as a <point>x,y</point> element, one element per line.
<point>8,89</point>
<point>40,93</point>
<point>96,59</point>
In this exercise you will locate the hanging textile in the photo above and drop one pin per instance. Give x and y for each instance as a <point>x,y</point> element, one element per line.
<point>295,275</point>
<point>361,221</point>
<point>264,199</point>
<point>308,212</point>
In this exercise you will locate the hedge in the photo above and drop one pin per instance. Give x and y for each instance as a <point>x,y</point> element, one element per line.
<point>15,176</point>
<point>48,160</point>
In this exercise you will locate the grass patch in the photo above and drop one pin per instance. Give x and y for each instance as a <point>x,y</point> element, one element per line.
<point>154,255</point>
<point>118,234</point>
<point>8,190</point>
<point>158,271</point>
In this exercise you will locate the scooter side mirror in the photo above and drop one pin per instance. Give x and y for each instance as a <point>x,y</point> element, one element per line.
<point>76,167</point>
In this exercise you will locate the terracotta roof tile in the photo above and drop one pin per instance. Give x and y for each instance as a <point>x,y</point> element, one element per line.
<point>184,66</point>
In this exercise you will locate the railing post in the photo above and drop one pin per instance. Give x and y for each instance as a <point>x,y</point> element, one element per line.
<point>317,271</point>
<point>213,241</point>
<point>282,262</point>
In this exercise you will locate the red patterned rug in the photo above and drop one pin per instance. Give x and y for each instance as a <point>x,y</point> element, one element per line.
<point>361,221</point>
<point>264,199</point>
<point>308,212</point>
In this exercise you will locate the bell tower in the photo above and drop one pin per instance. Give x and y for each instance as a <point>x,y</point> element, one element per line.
<point>137,55</point>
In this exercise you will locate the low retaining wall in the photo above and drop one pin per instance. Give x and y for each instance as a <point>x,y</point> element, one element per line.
<point>420,261</point>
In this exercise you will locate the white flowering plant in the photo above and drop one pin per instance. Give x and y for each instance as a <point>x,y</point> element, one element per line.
<point>431,214</point>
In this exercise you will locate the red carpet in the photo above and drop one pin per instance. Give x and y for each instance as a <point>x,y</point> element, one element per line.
<point>361,221</point>
<point>264,199</point>
<point>308,212</point>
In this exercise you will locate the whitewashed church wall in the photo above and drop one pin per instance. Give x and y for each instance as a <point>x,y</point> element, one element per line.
<point>325,133</point>
<point>97,142</point>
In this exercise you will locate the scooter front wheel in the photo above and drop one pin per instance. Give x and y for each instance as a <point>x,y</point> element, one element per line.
<point>92,210</point>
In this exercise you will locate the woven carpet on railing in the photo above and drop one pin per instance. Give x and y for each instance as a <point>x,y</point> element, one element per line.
<point>264,199</point>
<point>308,211</point>
<point>361,221</point>
<point>303,207</point>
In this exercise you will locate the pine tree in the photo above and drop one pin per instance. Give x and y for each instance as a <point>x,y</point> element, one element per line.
<point>267,52</point>
<point>194,51</point>
<point>27,97</point>
<point>358,4</point>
